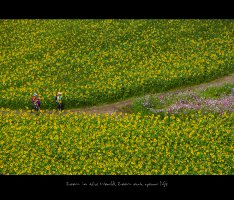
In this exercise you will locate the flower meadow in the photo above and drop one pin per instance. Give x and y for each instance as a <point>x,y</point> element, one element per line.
<point>112,144</point>
<point>213,99</point>
<point>97,61</point>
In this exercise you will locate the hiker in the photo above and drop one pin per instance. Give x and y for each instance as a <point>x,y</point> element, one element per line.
<point>33,100</point>
<point>38,102</point>
<point>58,99</point>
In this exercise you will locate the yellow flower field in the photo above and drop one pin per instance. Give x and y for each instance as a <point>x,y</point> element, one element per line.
<point>100,61</point>
<point>96,61</point>
<point>112,144</point>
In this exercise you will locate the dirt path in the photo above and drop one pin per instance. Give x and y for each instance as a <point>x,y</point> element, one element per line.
<point>107,108</point>
<point>202,86</point>
<point>119,106</point>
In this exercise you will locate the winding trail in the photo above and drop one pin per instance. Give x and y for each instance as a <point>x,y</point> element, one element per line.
<point>118,107</point>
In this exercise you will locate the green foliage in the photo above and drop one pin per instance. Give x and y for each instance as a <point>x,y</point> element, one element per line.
<point>216,92</point>
<point>97,61</point>
<point>81,144</point>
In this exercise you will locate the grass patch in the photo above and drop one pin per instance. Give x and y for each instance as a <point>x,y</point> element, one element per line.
<point>217,92</point>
